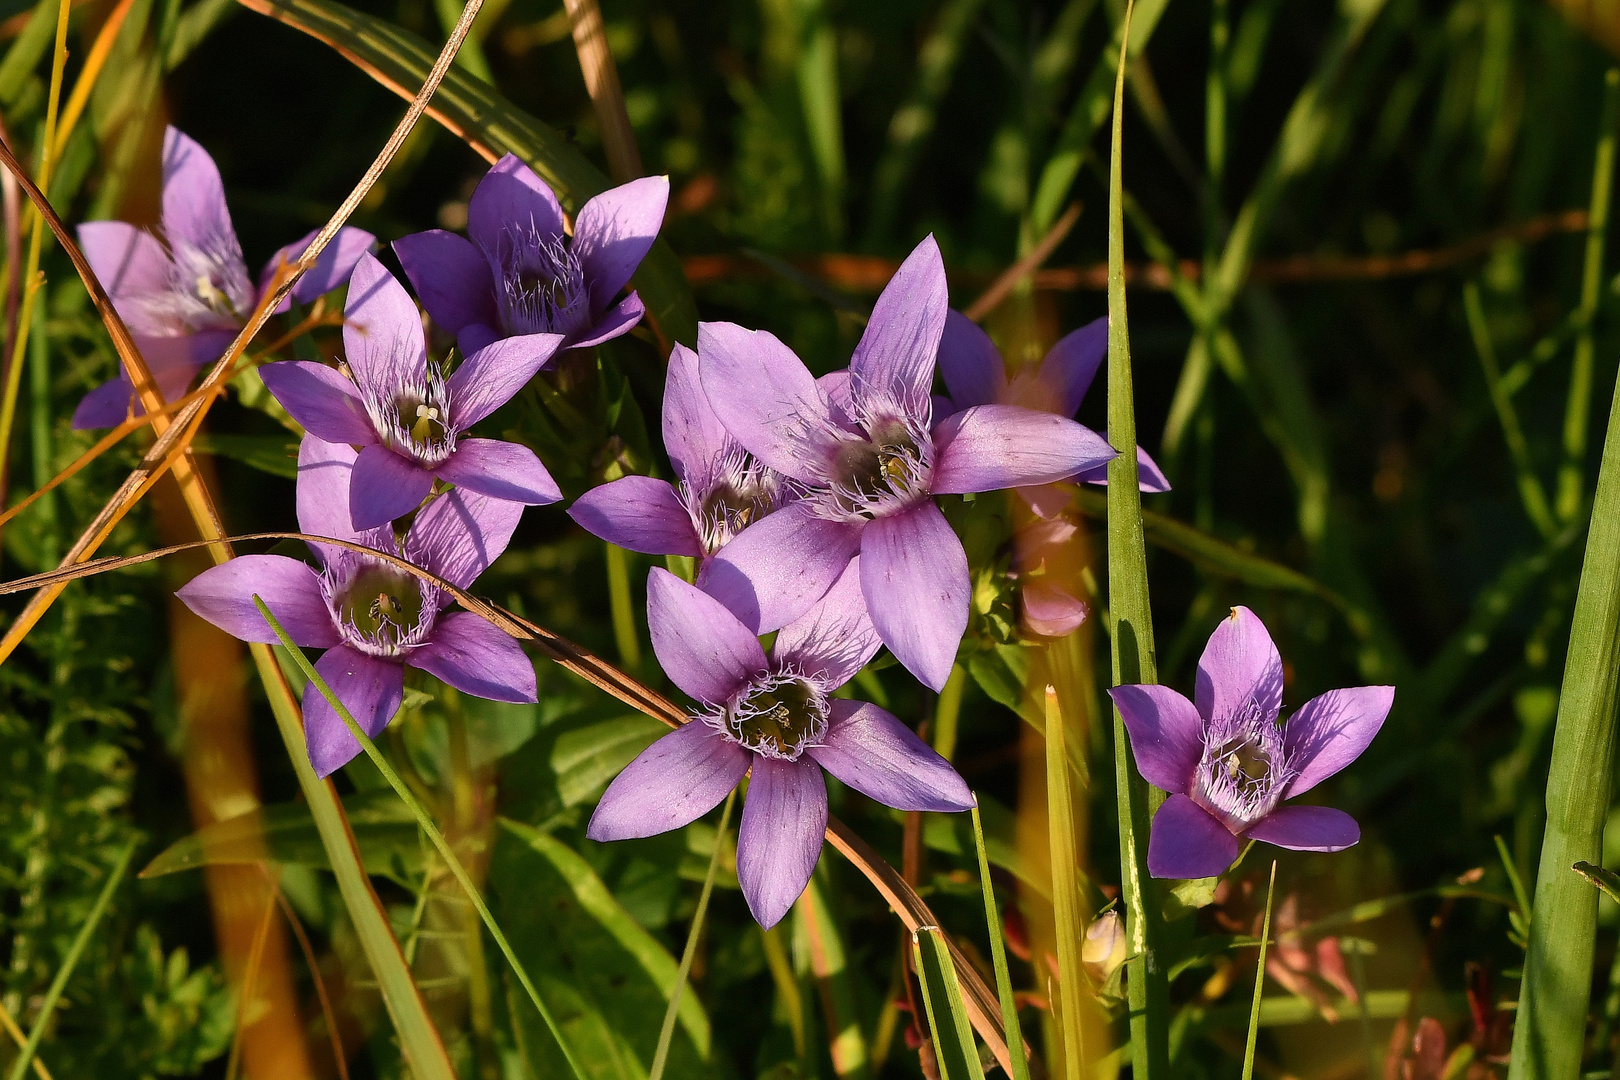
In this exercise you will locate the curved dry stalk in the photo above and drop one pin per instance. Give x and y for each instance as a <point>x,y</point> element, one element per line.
<point>983,1006</point>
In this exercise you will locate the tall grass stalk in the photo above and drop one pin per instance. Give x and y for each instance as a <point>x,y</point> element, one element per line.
<point>998,957</point>
<point>1064,836</point>
<point>1259,979</point>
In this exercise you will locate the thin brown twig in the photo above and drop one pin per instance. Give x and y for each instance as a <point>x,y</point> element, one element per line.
<point>310,959</point>
<point>1018,271</point>
<point>602,83</point>
<point>11,199</point>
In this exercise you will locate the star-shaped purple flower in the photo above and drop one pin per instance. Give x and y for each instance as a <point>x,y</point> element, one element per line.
<point>372,619</point>
<point>185,291</point>
<point>407,418</point>
<point>520,274</point>
<point>975,374</point>
<point>863,446</point>
<point>776,714</point>
<point>1229,765</point>
<point>720,488</point>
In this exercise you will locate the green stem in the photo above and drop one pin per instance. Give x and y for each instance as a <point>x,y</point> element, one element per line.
<point>1062,836</point>
<point>53,993</point>
<point>666,1034</point>
<point>948,711</point>
<point>623,611</point>
<point>998,956</point>
<point>1530,491</point>
<point>425,823</point>
<point>1578,405</point>
<point>1259,980</point>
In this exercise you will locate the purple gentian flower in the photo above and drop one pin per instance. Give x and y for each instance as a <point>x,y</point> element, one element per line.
<point>1229,765</point>
<point>185,291</point>
<point>870,459</point>
<point>519,273</point>
<point>976,374</point>
<point>720,488</point>
<point>776,714</point>
<point>372,619</point>
<point>406,417</point>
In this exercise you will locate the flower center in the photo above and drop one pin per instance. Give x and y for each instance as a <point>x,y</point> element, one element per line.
<point>1243,771</point>
<point>543,288</point>
<point>778,716</point>
<point>738,493</point>
<point>424,423</point>
<point>883,473</point>
<point>382,610</point>
<point>413,420</point>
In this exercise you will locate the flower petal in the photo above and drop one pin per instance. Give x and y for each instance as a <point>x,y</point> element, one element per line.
<point>672,783</point>
<point>638,513</point>
<point>108,405</point>
<point>478,658</point>
<point>371,689</point>
<point>451,278</point>
<point>693,434</point>
<point>1307,828</point>
<point>322,491</point>
<point>332,268</point>
<point>973,370</point>
<point>774,570</point>
<point>132,266</point>
<point>382,333</point>
<point>511,195</point>
<point>458,535</point>
<point>767,399</point>
<point>835,638</point>
<point>915,577</point>
<point>990,447</point>
<point>894,360</point>
<point>880,757</point>
<point>838,387</point>
<point>501,470</point>
<point>700,645</point>
<point>321,399</point>
<point>194,210</point>
<point>617,321</point>
<point>223,595</point>
<point>1186,842</point>
<point>1331,731</point>
<point>1071,365</point>
<point>614,231</point>
<point>1149,477</point>
<point>488,378</point>
<point>1050,611</point>
<point>384,487</point>
<point>783,822</point>
<point>1167,734</point>
<point>1240,664</point>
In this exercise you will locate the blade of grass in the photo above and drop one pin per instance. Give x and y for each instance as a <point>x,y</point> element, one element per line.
<point>1551,1022</point>
<point>998,956</point>
<point>1063,837</point>
<point>1259,980</point>
<point>1578,404</point>
<point>22,1040</point>
<point>425,822</point>
<point>93,63</point>
<point>623,611</point>
<point>1131,630</point>
<point>53,993</point>
<point>1530,490</point>
<point>667,1032</point>
<point>958,1057</point>
<point>818,934</point>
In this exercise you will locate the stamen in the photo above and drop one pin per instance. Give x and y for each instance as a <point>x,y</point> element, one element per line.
<point>543,288</point>
<point>1243,771</point>
<point>380,610</point>
<point>777,715</point>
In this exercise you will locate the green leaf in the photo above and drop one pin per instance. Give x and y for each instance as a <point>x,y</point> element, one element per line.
<point>1607,880</point>
<point>1185,897</point>
<point>474,111</point>
<point>947,1014</point>
<point>602,975</point>
<point>274,454</point>
<point>384,831</point>
<point>998,956</point>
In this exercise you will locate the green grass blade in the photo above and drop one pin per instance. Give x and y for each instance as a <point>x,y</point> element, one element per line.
<point>667,1032</point>
<point>998,956</point>
<point>947,1013</point>
<point>1530,490</point>
<point>1063,837</point>
<point>1259,980</point>
<point>425,822</point>
<point>819,941</point>
<point>1551,1024</point>
<point>1134,660</point>
<point>53,993</point>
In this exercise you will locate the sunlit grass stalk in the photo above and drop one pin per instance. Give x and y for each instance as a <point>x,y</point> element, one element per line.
<point>1259,979</point>
<point>667,1033</point>
<point>1134,660</point>
<point>1551,1022</point>
<point>948,711</point>
<point>1063,836</point>
<point>425,823</point>
<point>998,957</point>
<point>625,635</point>
<point>955,1052</point>
<point>53,993</point>
<point>1578,405</point>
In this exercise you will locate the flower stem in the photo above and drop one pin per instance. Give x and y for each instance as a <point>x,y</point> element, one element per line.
<point>424,822</point>
<point>1259,979</point>
<point>948,711</point>
<point>624,616</point>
